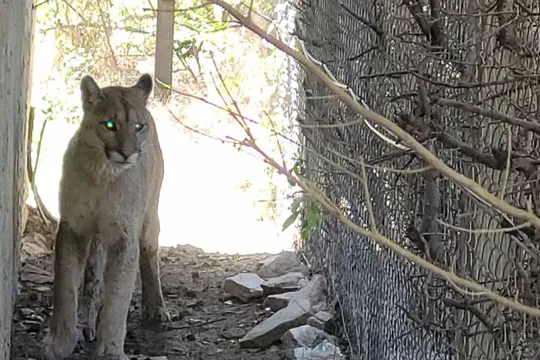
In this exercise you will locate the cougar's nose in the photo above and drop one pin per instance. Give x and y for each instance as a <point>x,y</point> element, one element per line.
<point>123,153</point>
<point>126,150</point>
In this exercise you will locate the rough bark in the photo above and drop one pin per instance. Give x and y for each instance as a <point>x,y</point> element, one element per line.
<point>16,28</point>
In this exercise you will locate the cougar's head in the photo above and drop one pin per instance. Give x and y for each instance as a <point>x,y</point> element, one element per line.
<point>116,120</point>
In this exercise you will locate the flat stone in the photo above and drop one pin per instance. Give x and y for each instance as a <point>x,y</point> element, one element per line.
<point>322,306</point>
<point>33,274</point>
<point>272,329</point>
<point>281,264</point>
<point>26,311</point>
<point>292,281</point>
<point>305,336</point>
<point>278,301</point>
<point>316,323</point>
<point>323,351</point>
<point>324,316</point>
<point>320,319</point>
<point>190,249</point>
<point>42,288</point>
<point>33,246</point>
<point>244,286</point>
<point>295,314</point>
<point>314,293</point>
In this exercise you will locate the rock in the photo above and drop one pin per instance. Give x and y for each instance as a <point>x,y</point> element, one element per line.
<point>33,326</point>
<point>36,275</point>
<point>323,351</point>
<point>313,293</point>
<point>26,312</point>
<point>295,314</point>
<point>285,283</point>
<point>306,336</point>
<point>323,306</point>
<point>316,323</point>
<point>33,246</point>
<point>194,304</point>
<point>244,286</point>
<point>320,319</point>
<point>32,269</point>
<point>42,288</point>
<point>278,301</point>
<point>324,316</point>
<point>272,329</point>
<point>281,264</point>
<point>233,334</point>
<point>190,249</point>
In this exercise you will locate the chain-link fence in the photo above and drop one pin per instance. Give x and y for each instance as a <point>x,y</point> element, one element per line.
<point>462,78</point>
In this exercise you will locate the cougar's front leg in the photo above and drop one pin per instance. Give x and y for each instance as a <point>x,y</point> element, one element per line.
<point>153,306</point>
<point>92,290</point>
<point>69,260</point>
<point>119,280</point>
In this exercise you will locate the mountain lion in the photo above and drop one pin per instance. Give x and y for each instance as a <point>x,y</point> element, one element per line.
<point>109,194</point>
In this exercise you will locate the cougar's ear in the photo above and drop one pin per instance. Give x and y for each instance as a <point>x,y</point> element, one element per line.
<point>90,92</point>
<point>146,84</point>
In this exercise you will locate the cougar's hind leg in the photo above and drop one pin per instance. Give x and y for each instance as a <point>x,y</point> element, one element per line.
<point>153,306</point>
<point>69,261</point>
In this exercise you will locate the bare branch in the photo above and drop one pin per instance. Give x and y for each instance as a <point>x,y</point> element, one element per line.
<point>476,188</point>
<point>525,124</point>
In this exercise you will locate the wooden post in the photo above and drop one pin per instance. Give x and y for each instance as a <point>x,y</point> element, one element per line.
<point>16,35</point>
<point>164,45</point>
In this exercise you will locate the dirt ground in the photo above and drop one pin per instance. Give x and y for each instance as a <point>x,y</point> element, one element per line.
<point>205,323</point>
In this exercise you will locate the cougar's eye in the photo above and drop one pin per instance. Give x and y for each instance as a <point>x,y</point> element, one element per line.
<point>109,125</point>
<point>139,126</point>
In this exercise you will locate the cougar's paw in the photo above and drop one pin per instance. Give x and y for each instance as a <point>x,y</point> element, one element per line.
<point>156,314</point>
<point>58,346</point>
<point>87,333</point>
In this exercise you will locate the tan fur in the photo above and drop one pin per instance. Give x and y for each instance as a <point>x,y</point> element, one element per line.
<point>109,195</point>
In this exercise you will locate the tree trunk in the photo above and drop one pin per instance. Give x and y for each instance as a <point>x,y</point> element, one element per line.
<point>164,46</point>
<point>16,29</point>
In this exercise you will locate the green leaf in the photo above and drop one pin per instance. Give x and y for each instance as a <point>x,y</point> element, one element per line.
<point>305,233</point>
<point>311,221</point>
<point>290,220</point>
<point>296,204</point>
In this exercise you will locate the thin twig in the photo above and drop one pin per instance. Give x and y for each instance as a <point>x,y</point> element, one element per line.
<point>506,172</point>
<point>495,115</point>
<point>44,213</point>
<point>373,223</point>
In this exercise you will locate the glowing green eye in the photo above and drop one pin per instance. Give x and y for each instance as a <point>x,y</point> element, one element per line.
<point>110,125</point>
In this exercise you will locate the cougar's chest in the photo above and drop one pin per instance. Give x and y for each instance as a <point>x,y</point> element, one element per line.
<point>122,214</point>
<point>104,204</point>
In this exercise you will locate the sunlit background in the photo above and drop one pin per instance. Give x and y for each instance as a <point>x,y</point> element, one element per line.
<point>213,196</point>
